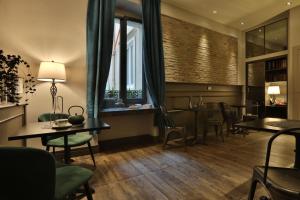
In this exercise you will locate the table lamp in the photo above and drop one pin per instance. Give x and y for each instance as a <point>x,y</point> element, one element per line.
<point>272,91</point>
<point>53,72</point>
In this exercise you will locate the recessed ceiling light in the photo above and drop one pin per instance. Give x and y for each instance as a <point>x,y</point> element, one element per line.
<point>242,23</point>
<point>288,3</point>
<point>214,12</point>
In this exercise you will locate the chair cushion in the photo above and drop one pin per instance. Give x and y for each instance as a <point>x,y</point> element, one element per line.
<point>73,140</point>
<point>70,178</point>
<point>282,178</point>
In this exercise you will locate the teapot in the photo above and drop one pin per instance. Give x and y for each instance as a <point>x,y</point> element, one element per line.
<point>76,119</point>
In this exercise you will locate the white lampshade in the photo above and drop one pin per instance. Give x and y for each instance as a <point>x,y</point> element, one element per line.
<point>273,90</point>
<point>50,71</point>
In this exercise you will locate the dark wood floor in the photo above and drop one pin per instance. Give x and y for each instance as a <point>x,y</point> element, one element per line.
<point>213,171</point>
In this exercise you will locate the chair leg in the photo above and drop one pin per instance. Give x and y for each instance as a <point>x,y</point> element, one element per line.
<point>47,148</point>
<point>185,138</point>
<point>252,189</point>
<point>228,127</point>
<point>204,134</point>
<point>216,130</point>
<point>53,150</point>
<point>166,139</point>
<point>221,133</point>
<point>88,192</point>
<point>92,154</point>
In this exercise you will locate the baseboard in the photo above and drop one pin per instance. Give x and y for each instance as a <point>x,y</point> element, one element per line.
<point>128,142</point>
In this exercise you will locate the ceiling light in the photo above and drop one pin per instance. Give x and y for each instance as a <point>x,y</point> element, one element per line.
<point>214,12</point>
<point>289,3</point>
<point>260,30</point>
<point>242,23</point>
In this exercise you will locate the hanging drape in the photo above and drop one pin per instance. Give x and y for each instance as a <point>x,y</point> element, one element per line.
<point>100,31</point>
<point>153,54</point>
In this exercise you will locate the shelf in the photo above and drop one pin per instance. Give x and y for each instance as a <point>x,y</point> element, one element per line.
<point>277,70</point>
<point>276,81</point>
<point>277,106</point>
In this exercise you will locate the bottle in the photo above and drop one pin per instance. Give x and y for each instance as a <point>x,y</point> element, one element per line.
<point>190,103</point>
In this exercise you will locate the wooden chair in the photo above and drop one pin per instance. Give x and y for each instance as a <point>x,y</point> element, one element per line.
<point>252,111</point>
<point>229,117</point>
<point>171,131</point>
<point>281,183</point>
<point>28,173</point>
<point>75,140</point>
<point>213,118</point>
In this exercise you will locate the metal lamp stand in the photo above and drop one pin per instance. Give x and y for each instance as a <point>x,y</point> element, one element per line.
<point>53,92</point>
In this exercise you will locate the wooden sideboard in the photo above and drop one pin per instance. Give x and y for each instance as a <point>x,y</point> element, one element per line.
<point>12,117</point>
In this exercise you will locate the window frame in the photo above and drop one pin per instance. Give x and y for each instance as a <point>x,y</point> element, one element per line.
<point>123,67</point>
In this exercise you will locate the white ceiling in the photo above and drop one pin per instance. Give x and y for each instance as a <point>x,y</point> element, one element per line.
<point>233,12</point>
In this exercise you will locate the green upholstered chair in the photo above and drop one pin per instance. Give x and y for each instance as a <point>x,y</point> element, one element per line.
<point>75,140</point>
<point>27,173</point>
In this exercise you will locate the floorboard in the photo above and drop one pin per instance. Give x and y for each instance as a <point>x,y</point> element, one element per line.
<point>213,171</point>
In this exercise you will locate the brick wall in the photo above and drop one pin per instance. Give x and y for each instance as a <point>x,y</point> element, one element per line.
<point>194,54</point>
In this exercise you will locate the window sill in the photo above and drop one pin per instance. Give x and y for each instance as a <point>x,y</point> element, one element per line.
<point>126,111</point>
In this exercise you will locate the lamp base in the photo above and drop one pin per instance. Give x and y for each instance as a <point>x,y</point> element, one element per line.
<point>272,100</point>
<point>53,91</point>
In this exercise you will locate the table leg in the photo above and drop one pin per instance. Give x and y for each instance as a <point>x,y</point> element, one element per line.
<point>66,150</point>
<point>297,152</point>
<point>196,126</point>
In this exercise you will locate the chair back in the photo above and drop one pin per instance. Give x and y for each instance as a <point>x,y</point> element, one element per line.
<point>290,131</point>
<point>50,117</point>
<point>213,112</point>
<point>223,111</point>
<point>26,173</point>
<point>167,120</point>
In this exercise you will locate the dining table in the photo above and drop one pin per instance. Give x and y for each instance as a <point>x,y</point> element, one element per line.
<point>274,125</point>
<point>41,129</point>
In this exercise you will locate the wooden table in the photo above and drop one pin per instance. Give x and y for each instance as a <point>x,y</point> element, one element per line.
<point>274,125</point>
<point>40,129</point>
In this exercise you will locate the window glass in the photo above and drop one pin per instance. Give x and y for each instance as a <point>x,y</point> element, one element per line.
<point>126,81</point>
<point>255,42</point>
<point>134,74</point>
<point>276,36</point>
<point>113,82</point>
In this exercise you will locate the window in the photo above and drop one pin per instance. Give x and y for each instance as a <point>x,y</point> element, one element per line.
<point>126,80</point>
<point>267,39</point>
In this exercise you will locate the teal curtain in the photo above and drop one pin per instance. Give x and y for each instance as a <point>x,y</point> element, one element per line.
<point>100,30</point>
<point>153,51</point>
<point>154,56</point>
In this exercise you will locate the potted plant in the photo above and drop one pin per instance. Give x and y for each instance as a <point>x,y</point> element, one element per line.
<point>11,76</point>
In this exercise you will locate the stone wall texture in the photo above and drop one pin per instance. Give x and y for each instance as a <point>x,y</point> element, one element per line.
<point>194,54</point>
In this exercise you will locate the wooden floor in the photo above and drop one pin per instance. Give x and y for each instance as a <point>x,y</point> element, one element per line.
<point>213,171</point>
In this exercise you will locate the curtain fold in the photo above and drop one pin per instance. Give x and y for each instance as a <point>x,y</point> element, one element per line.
<point>100,31</point>
<point>153,55</point>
